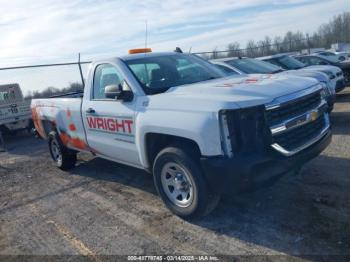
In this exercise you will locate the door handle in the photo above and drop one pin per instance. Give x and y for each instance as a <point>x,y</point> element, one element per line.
<point>90,110</point>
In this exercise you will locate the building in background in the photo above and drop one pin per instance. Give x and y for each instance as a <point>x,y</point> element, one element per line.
<point>340,47</point>
<point>311,50</point>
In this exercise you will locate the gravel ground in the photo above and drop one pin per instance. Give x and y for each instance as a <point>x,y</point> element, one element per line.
<point>104,208</point>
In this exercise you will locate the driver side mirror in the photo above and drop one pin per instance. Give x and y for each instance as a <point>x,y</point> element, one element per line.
<point>113,91</point>
<point>119,92</point>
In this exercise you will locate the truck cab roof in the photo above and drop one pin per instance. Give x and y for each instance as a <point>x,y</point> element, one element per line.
<point>142,55</point>
<point>225,59</point>
<point>273,56</point>
<point>131,57</point>
<point>10,93</point>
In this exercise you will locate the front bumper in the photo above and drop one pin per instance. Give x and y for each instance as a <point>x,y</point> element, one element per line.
<point>330,102</point>
<point>340,85</point>
<point>232,175</point>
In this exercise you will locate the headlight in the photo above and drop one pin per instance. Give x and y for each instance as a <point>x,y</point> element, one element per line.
<point>329,74</point>
<point>243,131</point>
<point>225,134</point>
<point>325,91</point>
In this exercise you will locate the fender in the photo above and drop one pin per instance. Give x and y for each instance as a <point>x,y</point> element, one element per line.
<point>203,129</point>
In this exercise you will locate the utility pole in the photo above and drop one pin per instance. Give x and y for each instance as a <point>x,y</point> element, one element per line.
<point>308,43</point>
<point>146,33</point>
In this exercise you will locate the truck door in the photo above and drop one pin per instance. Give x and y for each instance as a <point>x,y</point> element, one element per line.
<point>110,123</point>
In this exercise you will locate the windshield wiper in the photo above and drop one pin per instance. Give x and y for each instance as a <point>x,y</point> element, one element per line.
<point>277,71</point>
<point>211,78</point>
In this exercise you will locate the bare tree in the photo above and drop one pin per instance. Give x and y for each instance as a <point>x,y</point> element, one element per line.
<point>265,46</point>
<point>336,30</point>
<point>233,50</point>
<point>51,91</point>
<point>251,49</point>
<point>278,44</point>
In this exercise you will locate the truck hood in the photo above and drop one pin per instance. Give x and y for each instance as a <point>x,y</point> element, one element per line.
<point>323,68</point>
<point>243,91</point>
<point>322,77</point>
<point>344,64</point>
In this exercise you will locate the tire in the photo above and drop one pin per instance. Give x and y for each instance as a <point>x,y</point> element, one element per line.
<point>176,172</point>
<point>63,157</point>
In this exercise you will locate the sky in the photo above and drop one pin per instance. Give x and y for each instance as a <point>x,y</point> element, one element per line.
<point>51,31</point>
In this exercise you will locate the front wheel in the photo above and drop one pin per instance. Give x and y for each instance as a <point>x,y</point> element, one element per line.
<point>181,185</point>
<point>64,158</point>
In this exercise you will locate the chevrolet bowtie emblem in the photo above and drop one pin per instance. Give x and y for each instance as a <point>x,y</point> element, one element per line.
<point>314,115</point>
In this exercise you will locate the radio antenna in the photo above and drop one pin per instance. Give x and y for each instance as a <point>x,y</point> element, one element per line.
<point>146,33</point>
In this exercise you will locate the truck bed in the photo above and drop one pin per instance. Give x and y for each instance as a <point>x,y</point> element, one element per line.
<point>61,114</point>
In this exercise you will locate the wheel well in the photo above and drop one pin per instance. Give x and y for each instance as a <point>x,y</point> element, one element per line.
<point>48,126</point>
<point>156,142</point>
<point>4,129</point>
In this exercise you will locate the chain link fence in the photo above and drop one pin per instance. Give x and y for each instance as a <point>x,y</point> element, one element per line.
<point>264,48</point>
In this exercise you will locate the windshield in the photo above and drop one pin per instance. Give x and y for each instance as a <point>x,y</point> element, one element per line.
<point>158,74</point>
<point>290,62</point>
<point>226,70</point>
<point>254,66</point>
<point>322,60</point>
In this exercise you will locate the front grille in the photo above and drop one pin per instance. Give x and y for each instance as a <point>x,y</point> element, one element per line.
<point>299,136</point>
<point>293,108</point>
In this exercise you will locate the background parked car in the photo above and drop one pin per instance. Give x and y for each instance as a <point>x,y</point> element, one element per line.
<point>333,56</point>
<point>312,60</point>
<point>246,65</point>
<point>291,63</point>
<point>15,112</point>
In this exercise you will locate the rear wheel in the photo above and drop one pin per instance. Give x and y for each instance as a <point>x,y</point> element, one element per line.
<point>181,185</point>
<point>63,157</point>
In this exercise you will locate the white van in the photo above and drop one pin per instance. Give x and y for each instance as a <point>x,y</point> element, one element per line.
<point>15,112</point>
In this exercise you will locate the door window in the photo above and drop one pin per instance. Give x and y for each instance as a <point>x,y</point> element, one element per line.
<point>105,75</point>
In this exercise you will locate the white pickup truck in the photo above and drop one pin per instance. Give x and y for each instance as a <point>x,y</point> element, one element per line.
<point>15,112</point>
<point>197,132</point>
